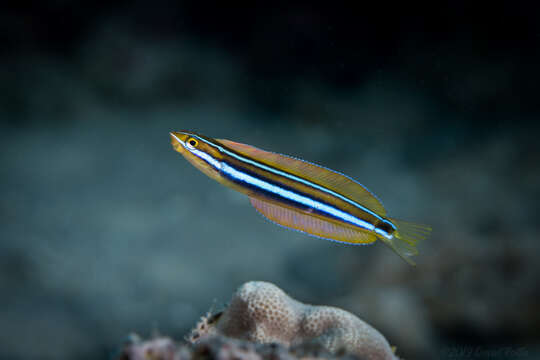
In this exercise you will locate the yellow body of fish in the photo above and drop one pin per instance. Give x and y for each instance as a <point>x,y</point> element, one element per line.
<point>300,195</point>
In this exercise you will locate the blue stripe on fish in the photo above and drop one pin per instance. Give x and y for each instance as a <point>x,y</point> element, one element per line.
<point>290,176</point>
<point>294,197</point>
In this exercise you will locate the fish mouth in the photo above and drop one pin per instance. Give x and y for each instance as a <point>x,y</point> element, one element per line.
<point>175,136</point>
<point>178,140</point>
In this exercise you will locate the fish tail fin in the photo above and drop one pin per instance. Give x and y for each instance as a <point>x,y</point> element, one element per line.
<point>405,239</point>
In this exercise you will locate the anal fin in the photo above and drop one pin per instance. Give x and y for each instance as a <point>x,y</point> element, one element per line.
<point>311,224</point>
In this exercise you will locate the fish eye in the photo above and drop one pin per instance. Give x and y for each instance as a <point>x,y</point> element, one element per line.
<point>192,143</point>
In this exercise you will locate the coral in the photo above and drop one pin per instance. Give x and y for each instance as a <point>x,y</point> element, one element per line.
<point>261,312</point>
<point>160,348</point>
<point>221,348</point>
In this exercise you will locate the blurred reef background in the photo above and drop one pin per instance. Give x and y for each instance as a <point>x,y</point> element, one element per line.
<point>106,230</point>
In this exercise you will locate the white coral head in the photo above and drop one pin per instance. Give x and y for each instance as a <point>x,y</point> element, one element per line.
<point>262,312</point>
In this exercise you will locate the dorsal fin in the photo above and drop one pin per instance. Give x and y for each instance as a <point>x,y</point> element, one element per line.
<point>337,182</point>
<point>310,224</point>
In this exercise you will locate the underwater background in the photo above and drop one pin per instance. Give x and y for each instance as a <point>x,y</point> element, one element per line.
<point>105,230</point>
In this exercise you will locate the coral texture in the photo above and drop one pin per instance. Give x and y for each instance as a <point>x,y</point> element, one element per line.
<point>222,348</point>
<point>263,313</point>
<point>160,348</point>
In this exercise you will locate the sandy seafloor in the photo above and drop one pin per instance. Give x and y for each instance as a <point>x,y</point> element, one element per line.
<point>106,230</point>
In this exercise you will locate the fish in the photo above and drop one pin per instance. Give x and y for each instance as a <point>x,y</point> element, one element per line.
<point>301,195</point>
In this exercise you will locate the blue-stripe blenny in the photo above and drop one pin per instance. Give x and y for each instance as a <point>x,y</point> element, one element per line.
<point>300,195</point>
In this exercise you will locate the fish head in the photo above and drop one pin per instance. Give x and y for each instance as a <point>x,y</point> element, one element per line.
<point>200,151</point>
